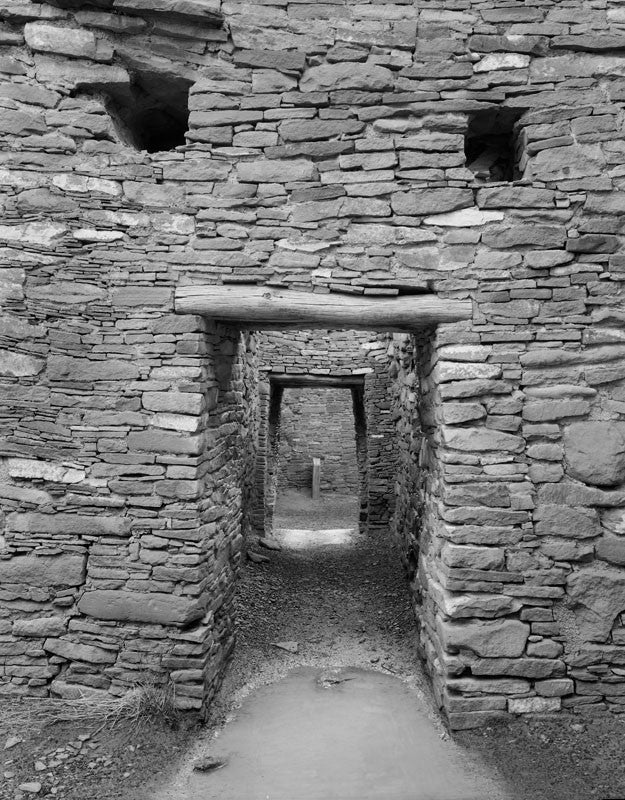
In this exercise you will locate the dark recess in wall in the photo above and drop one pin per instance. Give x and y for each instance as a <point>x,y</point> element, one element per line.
<point>490,145</point>
<point>154,114</point>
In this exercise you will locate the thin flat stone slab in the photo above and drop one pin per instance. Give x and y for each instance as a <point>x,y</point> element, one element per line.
<point>67,569</point>
<point>154,607</point>
<point>339,734</point>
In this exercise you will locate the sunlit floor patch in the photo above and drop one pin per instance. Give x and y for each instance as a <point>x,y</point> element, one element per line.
<point>304,538</point>
<point>334,734</point>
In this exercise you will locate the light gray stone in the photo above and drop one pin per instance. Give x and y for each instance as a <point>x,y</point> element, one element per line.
<point>153,607</point>
<point>144,296</point>
<point>599,596</point>
<point>481,439</point>
<point>19,365</point>
<point>489,685</point>
<point>74,651</point>
<point>555,687</point>
<point>307,130</point>
<point>462,606</point>
<point>40,627</point>
<point>614,520</point>
<point>533,705</point>
<point>43,470</point>
<point>23,494</point>
<point>595,452</point>
<point>566,521</point>
<point>546,411</point>
<point>515,197</point>
<point>67,292</point>
<point>64,41</point>
<point>460,371</point>
<point>537,235</point>
<point>472,557</point>
<point>68,524</point>
<point>195,11</point>
<point>611,548</point>
<point>275,171</point>
<point>30,787</point>
<point>157,441</point>
<point>487,638</point>
<point>45,234</point>
<point>271,80</point>
<point>331,77</point>
<point>76,691</point>
<point>560,163</point>
<point>178,402</point>
<point>497,61</point>
<point>464,218</point>
<point>533,668</point>
<point>425,202</point>
<point>62,570</point>
<point>456,413</point>
<point>65,368</point>
<point>512,309</point>
<point>84,184</point>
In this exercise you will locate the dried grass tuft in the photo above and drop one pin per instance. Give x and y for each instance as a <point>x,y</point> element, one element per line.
<point>142,704</point>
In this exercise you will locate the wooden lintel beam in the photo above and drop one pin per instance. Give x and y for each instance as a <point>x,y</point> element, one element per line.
<point>300,381</point>
<point>258,307</point>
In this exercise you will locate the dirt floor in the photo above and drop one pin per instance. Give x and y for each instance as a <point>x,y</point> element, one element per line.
<point>73,760</point>
<point>341,604</point>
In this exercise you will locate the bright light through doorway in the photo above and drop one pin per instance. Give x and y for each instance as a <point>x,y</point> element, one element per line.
<point>304,538</point>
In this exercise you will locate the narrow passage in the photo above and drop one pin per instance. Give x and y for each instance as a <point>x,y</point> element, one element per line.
<point>339,593</point>
<point>325,698</point>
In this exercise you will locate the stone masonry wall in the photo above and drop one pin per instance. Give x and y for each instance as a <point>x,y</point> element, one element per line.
<point>473,150</point>
<point>318,423</point>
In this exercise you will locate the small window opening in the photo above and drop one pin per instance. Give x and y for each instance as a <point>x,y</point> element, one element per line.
<point>154,114</point>
<point>490,145</point>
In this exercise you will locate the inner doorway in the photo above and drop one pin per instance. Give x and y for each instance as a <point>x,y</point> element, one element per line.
<point>316,442</point>
<point>318,469</point>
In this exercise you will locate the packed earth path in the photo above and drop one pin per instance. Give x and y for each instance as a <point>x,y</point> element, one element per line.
<point>333,600</point>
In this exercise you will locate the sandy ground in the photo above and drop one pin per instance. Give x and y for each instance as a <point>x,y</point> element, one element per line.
<point>343,604</point>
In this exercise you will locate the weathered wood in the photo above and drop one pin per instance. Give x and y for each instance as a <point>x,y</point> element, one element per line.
<point>294,380</point>
<point>259,307</point>
<point>316,478</point>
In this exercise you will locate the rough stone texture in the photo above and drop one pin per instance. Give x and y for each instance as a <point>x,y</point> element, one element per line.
<point>79,652</point>
<point>534,705</point>
<point>566,521</point>
<point>595,452</point>
<point>153,607</point>
<point>43,571</point>
<point>368,77</point>
<point>599,595</point>
<point>489,639</point>
<point>38,628</point>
